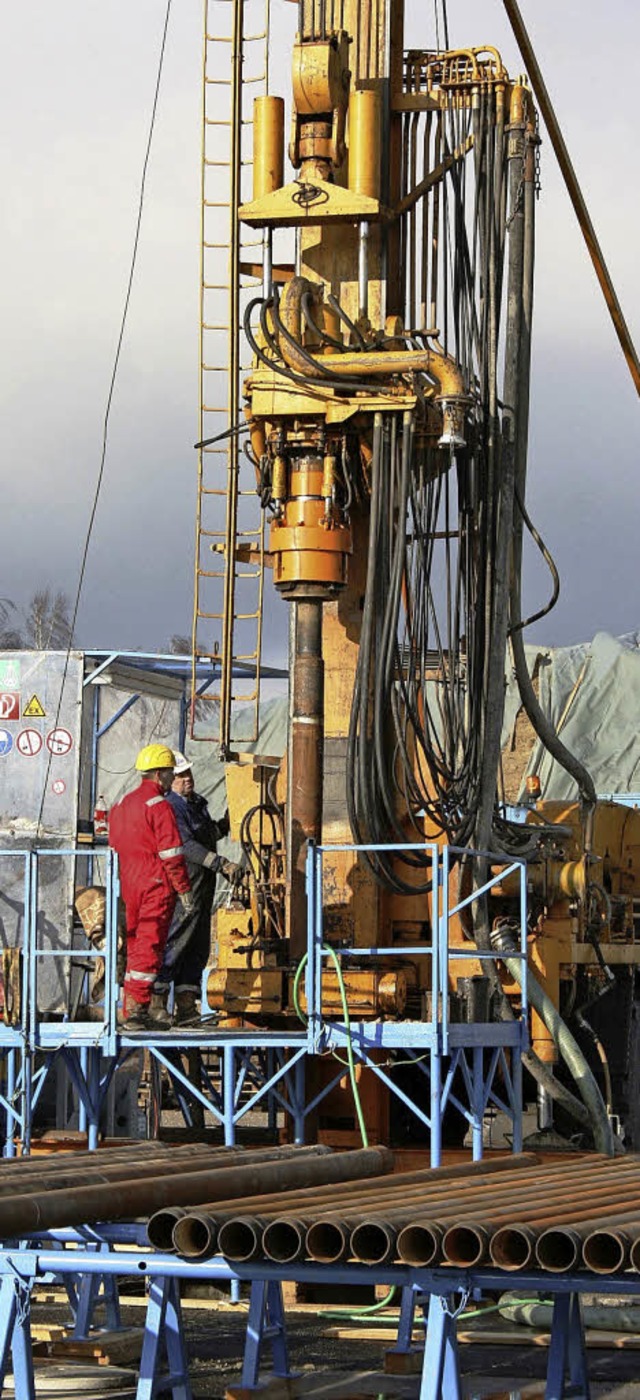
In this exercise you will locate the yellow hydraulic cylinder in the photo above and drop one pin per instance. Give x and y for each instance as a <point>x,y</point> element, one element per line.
<point>364,143</point>
<point>268,145</point>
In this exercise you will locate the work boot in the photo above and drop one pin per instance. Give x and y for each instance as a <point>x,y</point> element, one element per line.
<point>185,1010</point>
<point>133,1017</point>
<point>158,1014</point>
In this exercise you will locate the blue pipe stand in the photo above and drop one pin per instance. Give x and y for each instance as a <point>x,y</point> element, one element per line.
<point>440,1293</point>
<point>164,1325</point>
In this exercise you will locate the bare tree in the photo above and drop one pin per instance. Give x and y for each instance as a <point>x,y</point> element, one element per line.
<point>47,621</point>
<point>43,625</point>
<point>11,638</point>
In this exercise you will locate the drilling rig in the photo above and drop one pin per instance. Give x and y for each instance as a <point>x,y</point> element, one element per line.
<point>386,413</point>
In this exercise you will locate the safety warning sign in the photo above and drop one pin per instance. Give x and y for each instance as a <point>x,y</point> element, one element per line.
<point>59,741</point>
<point>34,709</point>
<point>10,673</point>
<point>29,742</point>
<point>6,742</point>
<point>9,704</point>
<point>58,786</point>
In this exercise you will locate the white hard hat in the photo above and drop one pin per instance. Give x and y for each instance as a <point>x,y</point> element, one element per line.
<point>182,764</point>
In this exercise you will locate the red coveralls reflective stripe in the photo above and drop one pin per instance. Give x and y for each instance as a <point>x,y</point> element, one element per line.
<point>144,832</point>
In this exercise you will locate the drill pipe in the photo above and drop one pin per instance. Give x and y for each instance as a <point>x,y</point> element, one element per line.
<point>369,1239</point>
<point>562,1244</point>
<point>159,1229</point>
<point>466,1244</point>
<point>513,1246</point>
<point>325,1241</point>
<point>22,1215</point>
<point>602,1247</point>
<point>195,1234</point>
<point>395,1184</point>
<point>418,1243</point>
<point>19,1175</point>
<point>328,1233</point>
<point>161,1226</point>
<point>609,1248</point>
<point>96,1173</point>
<point>241,1239</point>
<point>62,1161</point>
<point>606,1250</point>
<point>327,1236</point>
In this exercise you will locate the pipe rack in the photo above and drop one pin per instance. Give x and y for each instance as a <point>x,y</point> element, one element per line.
<point>438,1294</point>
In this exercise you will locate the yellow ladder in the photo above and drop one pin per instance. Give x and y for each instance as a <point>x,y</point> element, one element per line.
<point>229,553</point>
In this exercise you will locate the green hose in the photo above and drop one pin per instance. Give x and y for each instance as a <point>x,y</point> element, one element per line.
<point>361,1314</point>
<point>326,948</point>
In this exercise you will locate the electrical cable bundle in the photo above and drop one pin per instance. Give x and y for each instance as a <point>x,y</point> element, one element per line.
<point>427,655</point>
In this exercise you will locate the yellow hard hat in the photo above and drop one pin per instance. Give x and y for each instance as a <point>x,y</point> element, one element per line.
<point>154,756</point>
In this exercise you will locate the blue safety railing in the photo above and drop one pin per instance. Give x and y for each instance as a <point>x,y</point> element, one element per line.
<point>90,1047</point>
<point>29,1024</point>
<point>439,863</point>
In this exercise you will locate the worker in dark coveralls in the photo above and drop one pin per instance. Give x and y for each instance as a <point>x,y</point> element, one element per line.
<point>153,875</point>
<point>189,941</point>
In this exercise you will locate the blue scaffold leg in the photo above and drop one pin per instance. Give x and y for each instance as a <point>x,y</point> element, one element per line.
<point>92,1291</point>
<point>266,1323</point>
<point>567,1369</point>
<point>164,1324</point>
<point>441,1365</point>
<point>408,1301</point>
<point>15,1335</point>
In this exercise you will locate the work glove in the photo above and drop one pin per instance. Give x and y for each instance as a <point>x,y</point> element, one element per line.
<point>230,871</point>
<point>186,900</point>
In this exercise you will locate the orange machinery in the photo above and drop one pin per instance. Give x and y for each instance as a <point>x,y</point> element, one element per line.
<point>387,407</point>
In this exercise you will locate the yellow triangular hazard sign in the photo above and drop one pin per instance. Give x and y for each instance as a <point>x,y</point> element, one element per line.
<point>34,709</point>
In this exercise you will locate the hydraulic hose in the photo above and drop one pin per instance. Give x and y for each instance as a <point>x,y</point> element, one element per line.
<point>567,1047</point>
<point>543,727</point>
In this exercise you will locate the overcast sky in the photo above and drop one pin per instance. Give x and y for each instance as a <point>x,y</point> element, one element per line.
<point>77,86</point>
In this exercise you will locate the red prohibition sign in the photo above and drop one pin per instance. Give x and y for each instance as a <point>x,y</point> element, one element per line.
<point>29,743</point>
<point>59,741</point>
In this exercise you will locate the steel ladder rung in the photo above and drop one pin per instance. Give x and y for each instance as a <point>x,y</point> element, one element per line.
<point>225,163</point>
<point>228,38</point>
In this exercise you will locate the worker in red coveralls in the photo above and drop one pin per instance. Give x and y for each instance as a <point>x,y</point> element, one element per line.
<point>153,874</point>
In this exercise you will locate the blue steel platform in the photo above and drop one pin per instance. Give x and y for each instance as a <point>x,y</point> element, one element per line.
<point>467,1067</point>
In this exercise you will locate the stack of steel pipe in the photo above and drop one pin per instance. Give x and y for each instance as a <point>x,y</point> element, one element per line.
<point>83,1188</point>
<point>513,1212</point>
